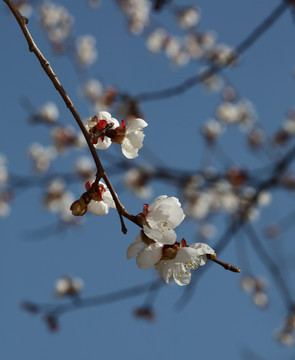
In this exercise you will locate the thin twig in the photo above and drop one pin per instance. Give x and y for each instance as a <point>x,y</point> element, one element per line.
<point>22,21</point>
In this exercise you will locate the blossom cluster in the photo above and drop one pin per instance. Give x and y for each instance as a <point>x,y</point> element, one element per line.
<point>130,135</point>
<point>58,24</point>
<point>156,243</point>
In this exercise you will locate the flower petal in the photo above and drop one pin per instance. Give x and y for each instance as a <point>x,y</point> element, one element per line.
<point>128,149</point>
<point>149,256</point>
<point>134,124</point>
<point>135,247</point>
<point>102,145</point>
<point>98,207</point>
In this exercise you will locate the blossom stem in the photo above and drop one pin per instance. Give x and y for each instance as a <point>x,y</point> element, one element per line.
<point>22,21</point>
<point>225,265</point>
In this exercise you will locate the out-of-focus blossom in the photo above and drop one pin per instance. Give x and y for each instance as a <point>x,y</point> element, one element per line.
<point>156,40</point>
<point>65,136</point>
<point>161,217</point>
<point>48,113</point>
<point>68,286</point>
<point>207,39</point>
<point>211,82</point>
<point>54,193</point>
<point>3,170</point>
<point>241,112</point>
<point>58,200</point>
<point>257,287</point>
<point>264,198</point>
<point>85,168</point>
<point>102,200</point>
<point>93,90</point>
<point>188,17</point>
<point>193,46</point>
<point>100,97</point>
<point>207,231</point>
<point>256,138</point>
<point>221,55</point>
<point>4,207</point>
<point>136,179</point>
<point>137,13</point>
<point>211,130</point>
<point>86,50</point>
<point>58,24</point>
<point>285,337</point>
<point>41,156</point>
<point>180,58</point>
<point>24,7</point>
<point>187,258</point>
<point>289,124</point>
<point>172,46</point>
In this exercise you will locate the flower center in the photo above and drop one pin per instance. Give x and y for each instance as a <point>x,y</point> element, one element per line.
<point>191,265</point>
<point>164,225</point>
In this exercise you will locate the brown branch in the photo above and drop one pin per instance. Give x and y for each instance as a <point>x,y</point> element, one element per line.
<point>225,265</point>
<point>22,21</point>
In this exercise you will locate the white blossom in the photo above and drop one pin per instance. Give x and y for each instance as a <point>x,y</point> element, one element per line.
<point>156,40</point>
<point>48,112</point>
<point>102,207</point>
<point>147,255</point>
<point>161,217</point>
<point>187,259</point>
<point>98,123</point>
<point>86,50</point>
<point>68,286</point>
<point>188,17</point>
<point>133,139</point>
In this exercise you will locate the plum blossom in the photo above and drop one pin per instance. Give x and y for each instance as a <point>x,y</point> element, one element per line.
<point>161,217</point>
<point>48,113</point>
<point>187,258</point>
<point>99,123</point>
<point>130,137</point>
<point>86,52</point>
<point>67,285</point>
<point>188,17</point>
<point>148,251</point>
<point>103,200</point>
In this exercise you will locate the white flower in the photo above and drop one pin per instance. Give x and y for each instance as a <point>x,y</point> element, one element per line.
<point>189,17</point>
<point>41,156</point>
<point>98,123</point>
<point>86,50</point>
<point>48,112</point>
<point>103,206</point>
<point>156,40</point>
<point>161,217</point>
<point>187,259</point>
<point>133,139</point>
<point>68,286</point>
<point>147,255</point>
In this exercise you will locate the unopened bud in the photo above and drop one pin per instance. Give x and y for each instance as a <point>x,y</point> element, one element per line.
<point>79,207</point>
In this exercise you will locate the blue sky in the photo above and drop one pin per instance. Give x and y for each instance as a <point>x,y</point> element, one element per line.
<point>220,320</point>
